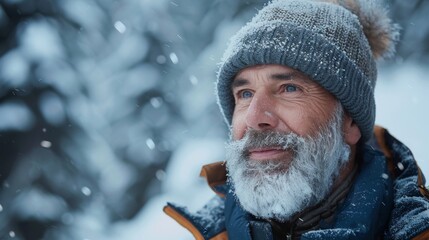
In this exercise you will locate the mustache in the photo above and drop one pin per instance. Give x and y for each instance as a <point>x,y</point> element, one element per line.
<point>268,139</point>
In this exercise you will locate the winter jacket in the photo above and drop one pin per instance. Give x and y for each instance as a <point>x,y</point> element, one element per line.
<point>385,199</point>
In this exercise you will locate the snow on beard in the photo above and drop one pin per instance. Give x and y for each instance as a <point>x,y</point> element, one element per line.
<point>278,189</point>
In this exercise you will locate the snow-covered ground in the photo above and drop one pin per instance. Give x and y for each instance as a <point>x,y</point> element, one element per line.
<point>402,107</point>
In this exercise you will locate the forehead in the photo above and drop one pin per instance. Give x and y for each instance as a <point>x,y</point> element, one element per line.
<point>269,71</point>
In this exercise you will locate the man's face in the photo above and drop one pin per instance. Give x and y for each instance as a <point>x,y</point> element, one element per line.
<point>275,97</point>
<point>287,141</point>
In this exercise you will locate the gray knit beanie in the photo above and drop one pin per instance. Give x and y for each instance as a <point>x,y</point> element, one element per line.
<point>334,42</point>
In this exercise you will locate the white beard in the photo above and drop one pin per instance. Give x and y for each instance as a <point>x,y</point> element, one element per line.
<point>277,189</point>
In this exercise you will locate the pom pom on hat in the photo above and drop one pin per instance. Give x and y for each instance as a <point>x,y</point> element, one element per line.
<point>381,33</point>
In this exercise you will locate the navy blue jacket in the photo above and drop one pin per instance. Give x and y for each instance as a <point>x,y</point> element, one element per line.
<point>387,200</point>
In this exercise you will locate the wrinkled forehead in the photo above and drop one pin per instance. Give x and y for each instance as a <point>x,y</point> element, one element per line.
<point>272,72</point>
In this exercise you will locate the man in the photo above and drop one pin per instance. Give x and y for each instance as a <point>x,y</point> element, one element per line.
<point>296,86</point>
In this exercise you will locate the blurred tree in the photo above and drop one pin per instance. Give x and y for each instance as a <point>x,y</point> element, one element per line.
<point>412,18</point>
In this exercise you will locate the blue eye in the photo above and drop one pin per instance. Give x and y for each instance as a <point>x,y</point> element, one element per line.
<point>290,88</point>
<point>246,94</point>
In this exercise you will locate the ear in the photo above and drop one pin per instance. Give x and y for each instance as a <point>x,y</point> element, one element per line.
<point>351,131</point>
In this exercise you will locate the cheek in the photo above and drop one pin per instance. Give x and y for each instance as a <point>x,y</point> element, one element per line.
<point>323,110</point>
<point>319,115</point>
<point>238,126</point>
<point>293,119</point>
<point>306,117</point>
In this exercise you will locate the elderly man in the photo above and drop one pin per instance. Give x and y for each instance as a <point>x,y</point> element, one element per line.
<point>296,86</point>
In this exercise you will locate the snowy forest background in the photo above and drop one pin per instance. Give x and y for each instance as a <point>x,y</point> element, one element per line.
<point>107,109</point>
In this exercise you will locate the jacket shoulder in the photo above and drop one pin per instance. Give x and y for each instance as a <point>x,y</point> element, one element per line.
<point>410,214</point>
<point>207,223</point>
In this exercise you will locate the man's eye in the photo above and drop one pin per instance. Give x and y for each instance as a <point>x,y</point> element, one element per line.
<point>246,94</point>
<point>291,88</point>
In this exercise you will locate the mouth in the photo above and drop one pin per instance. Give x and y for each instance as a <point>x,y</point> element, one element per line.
<point>268,153</point>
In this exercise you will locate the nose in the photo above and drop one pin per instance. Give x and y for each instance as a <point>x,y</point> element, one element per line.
<point>261,113</point>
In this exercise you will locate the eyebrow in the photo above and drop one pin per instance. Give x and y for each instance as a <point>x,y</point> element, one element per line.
<point>238,82</point>
<point>284,76</point>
